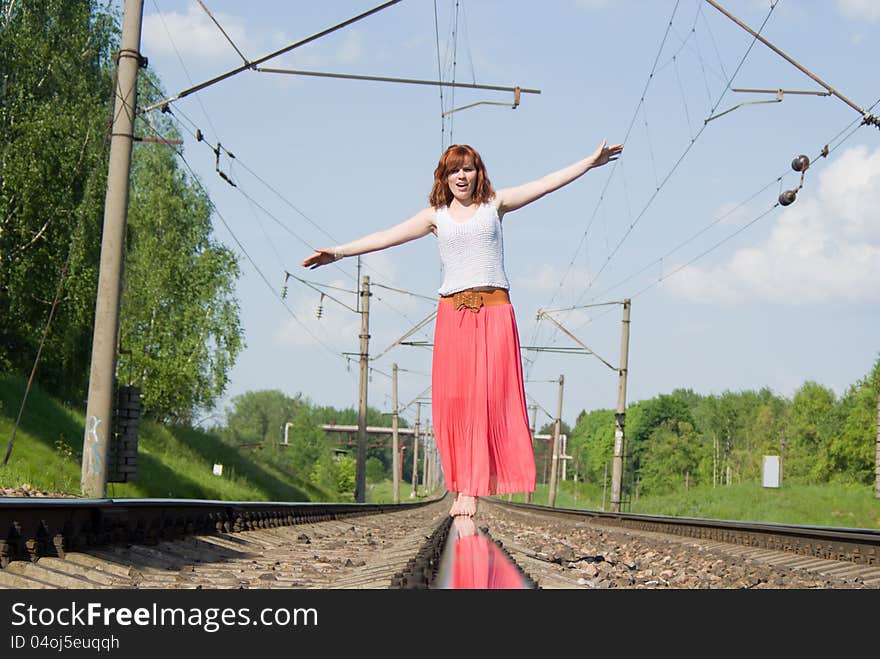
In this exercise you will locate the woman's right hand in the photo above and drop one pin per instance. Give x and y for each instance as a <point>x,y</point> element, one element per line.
<point>320,257</point>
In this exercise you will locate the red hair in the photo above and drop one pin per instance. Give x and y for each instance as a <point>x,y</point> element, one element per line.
<point>451,160</point>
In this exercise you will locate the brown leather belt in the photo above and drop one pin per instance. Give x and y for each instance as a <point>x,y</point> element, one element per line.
<point>473,300</point>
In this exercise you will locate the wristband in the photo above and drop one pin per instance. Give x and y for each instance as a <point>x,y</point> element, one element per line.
<point>337,254</point>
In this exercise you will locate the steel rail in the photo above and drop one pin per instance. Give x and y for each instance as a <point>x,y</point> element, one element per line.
<point>36,527</point>
<point>836,543</point>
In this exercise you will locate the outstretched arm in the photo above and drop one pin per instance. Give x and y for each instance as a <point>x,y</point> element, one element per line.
<point>420,224</point>
<point>509,199</point>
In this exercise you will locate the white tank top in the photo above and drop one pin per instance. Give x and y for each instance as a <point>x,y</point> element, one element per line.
<point>472,252</point>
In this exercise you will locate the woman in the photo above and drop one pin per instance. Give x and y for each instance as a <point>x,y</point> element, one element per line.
<point>478,399</point>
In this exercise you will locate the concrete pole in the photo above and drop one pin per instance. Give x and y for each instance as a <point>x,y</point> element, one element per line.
<point>286,428</point>
<point>782,456</point>
<point>554,459</point>
<point>361,485</point>
<point>620,416</point>
<point>429,459</point>
<point>563,462</point>
<point>714,460</point>
<point>438,471</point>
<point>425,460</point>
<point>531,495</point>
<point>415,467</point>
<point>604,486</point>
<point>877,456</point>
<point>102,376</point>
<point>395,441</point>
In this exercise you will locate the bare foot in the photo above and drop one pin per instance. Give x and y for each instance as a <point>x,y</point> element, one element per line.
<point>456,506</point>
<point>467,505</point>
<point>464,525</point>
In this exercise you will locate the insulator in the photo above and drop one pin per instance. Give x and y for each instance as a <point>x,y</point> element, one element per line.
<point>284,292</point>
<point>199,136</point>
<point>787,197</point>
<point>320,310</point>
<point>800,163</point>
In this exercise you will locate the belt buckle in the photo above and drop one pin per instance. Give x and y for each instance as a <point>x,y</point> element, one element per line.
<point>472,300</point>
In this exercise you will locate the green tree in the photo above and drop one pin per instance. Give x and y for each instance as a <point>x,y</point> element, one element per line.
<point>57,83</point>
<point>675,455</point>
<point>180,320</point>
<point>592,444</point>
<point>814,419</point>
<point>260,417</point>
<point>643,417</point>
<point>375,470</point>
<point>853,450</point>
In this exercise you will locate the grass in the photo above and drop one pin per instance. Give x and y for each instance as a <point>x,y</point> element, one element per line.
<point>172,462</point>
<point>383,492</point>
<point>830,504</point>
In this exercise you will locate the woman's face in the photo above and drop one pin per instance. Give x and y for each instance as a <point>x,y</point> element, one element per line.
<point>461,181</point>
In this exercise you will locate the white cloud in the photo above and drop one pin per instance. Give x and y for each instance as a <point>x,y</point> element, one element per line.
<point>195,35</point>
<point>337,326</point>
<point>346,48</point>
<point>860,9</point>
<point>824,247</point>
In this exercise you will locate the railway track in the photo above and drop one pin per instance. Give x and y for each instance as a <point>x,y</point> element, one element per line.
<point>164,544</point>
<point>589,549</point>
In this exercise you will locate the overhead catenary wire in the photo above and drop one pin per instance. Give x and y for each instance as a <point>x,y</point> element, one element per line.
<point>220,27</point>
<point>316,287</point>
<point>217,149</point>
<point>440,77</point>
<point>182,66</point>
<point>610,174</point>
<point>406,81</point>
<point>247,255</point>
<point>825,151</point>
<point>867,117</point>
<point>197,134</point>
<point>674,167</point>
<point>266,58</point>
<point>677,163</point>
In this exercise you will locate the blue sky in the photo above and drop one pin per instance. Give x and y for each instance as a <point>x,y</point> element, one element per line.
<point>728,292</point>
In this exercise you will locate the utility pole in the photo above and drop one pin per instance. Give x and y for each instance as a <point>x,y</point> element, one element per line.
<point>554,460</point>
<point>782,454</point>
<point>714,460</point>
<point>531,495</point>
<point>395,465</point>
<point>877,457</point>
<point>415,467</point>
<point>102,376</point>
<point>425,459</point>
<point>604,486</point>
<point>620,416</point>
<point>361,477</point>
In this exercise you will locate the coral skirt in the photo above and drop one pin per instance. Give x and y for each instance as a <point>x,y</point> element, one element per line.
<point>478,402</point>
